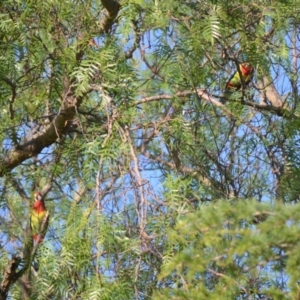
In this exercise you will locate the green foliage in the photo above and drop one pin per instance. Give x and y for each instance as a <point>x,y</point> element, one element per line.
<point>222,249</point>
<point>144,147</point>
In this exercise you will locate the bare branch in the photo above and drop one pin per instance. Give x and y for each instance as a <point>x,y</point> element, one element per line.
<point>270,92</point>
<point>138,179</point>
<point>228,278</point>
<point>279,110</point>
<point>128,54</point>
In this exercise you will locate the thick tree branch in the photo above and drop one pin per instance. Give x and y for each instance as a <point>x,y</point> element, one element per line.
<point>10,276</point>
<point>270,92</point>
<point>35,143</point>
<point>112,8</point>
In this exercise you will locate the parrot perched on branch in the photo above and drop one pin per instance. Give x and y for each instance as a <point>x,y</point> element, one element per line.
<point>39,218</point>
<point>235,82</point>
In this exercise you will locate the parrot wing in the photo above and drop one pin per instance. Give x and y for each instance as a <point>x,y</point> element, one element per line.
<point>39,223</point>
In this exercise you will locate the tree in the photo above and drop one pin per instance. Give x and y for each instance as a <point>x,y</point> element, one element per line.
<point>155,187</point>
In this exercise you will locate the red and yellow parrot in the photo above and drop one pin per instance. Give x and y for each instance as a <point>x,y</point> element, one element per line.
<point>235,82</point>
<point>39,218</point>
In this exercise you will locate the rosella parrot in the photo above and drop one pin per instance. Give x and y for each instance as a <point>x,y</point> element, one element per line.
<point>235,82</point>
<point>39,218</point>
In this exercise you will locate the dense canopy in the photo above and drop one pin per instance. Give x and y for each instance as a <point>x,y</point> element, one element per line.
<point>156,187</point>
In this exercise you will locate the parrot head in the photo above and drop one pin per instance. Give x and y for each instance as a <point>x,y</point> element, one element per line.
<point>38,196</point>
<point>246,68</point>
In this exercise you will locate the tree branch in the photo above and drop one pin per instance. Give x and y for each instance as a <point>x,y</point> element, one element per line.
<point>112,8</point>
<point>35,143</point>
<point>279,110</point>
<point>267,85</point>
<point>10,276</point>
<point>129,53</point>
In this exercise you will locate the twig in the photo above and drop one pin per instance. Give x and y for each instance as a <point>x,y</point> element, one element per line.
<point>229,278</point>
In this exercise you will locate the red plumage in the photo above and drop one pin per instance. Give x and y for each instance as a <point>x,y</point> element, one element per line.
<point>39,218</point>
